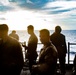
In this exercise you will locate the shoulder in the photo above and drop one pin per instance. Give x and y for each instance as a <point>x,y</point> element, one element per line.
<point>52,34</point>
<point>51,48</point>
<point>10,34</point>
<point>51,51</point>
<point>62,35</point>
<point>13,41</point>
<point>34,38</point>
<point>16,34</point>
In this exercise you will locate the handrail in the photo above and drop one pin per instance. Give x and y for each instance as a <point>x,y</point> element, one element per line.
<point>69,51</point>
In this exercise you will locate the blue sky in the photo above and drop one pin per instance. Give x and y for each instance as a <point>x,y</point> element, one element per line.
<point>18,14</point>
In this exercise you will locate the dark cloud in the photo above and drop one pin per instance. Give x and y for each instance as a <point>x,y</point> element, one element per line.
<point>36,4</point>
<point>61,11</point>
<point>52,8</point>
<point>33,4</point>
<point>5,8</point>
<point>13,0</point>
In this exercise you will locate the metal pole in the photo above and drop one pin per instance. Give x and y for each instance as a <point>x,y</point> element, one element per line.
<point>68,52</point>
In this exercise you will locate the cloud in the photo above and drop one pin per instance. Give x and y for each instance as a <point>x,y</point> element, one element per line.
<point>51,11</point>
<point>30,4</point>
<point>5,6</point>
<point>60,6</point>
<point>48,6</point>
<point>61,11</point>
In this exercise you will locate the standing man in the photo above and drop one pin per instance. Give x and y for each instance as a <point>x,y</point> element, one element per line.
<point>31,53</point>
<point>47,57</point>
<point>58,39</point>
<point>11,57</point>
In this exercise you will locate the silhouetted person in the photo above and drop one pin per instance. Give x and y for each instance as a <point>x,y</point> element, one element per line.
<point>31,53</point>
<point>14,35</point>
<point>11,57</point>
<point>58,39</point>
<point>48,56</point>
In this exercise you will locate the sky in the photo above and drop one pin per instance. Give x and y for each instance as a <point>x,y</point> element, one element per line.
<point>18,14</point>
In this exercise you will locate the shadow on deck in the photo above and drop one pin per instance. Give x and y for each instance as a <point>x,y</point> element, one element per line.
<point>69,70</point>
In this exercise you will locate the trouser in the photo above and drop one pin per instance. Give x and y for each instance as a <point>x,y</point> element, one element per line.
<point>31,62</point>
<point>62,64</point>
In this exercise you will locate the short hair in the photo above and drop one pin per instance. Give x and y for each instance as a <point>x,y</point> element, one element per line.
<point>30,27</point>
<point>45,31</point>
<point>4,27</point>
<point>58,29</point>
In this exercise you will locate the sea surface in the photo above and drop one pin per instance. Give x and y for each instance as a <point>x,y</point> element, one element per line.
<point>70,36</point>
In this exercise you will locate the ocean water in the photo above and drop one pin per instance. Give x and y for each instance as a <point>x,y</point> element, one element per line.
<point>69,34</point>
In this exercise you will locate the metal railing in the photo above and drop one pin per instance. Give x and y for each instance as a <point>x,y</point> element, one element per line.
<point>69,44</point>
<point>68,48</point>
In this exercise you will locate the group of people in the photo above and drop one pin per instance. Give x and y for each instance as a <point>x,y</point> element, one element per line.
<point>11,56</point>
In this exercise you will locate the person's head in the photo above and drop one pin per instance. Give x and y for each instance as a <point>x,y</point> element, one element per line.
<point>58,29</point>
<point>44,36</point>
<point>30,29</point>
<point>3,30</point>
<point>13,31</point>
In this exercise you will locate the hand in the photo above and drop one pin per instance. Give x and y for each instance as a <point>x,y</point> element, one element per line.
<point>23,45</point>
<point>34,67</point>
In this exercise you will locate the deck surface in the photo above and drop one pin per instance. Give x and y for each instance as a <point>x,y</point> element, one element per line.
<point>69,70</point>
<point>27,72</point>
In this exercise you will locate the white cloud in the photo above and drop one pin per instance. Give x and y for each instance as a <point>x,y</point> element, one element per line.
<point>5,2</point>
<point>19,18</point>
<point>28,1</point>
<point>63,4</point>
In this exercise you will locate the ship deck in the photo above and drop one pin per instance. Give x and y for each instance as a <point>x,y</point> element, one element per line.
<point>69,70</point>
